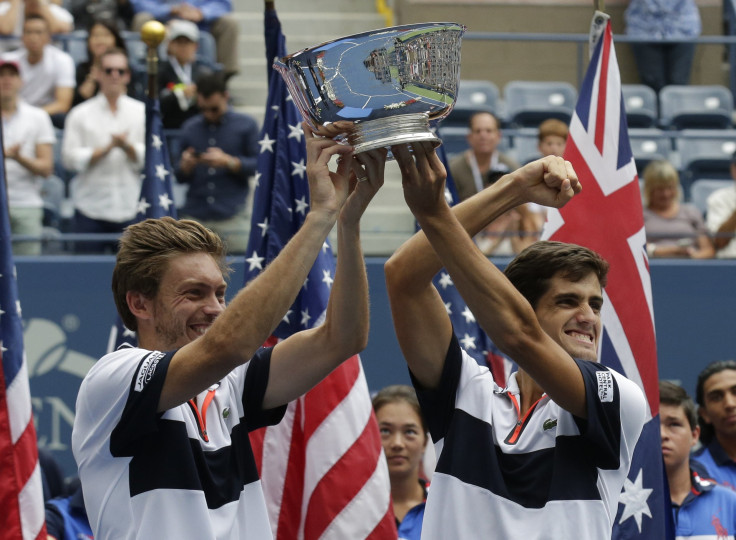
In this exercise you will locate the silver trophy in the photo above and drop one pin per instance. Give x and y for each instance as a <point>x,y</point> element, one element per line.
<point>392,83</point>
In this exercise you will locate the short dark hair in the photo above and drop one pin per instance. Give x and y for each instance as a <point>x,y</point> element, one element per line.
<point>37,16</point>
<point>706,430</point>
<point>675,395</point>
<point>532,269</point>
<point>113,51</point>
<point>211,83</point>
<point>478,113</point>
<point>145,251</point>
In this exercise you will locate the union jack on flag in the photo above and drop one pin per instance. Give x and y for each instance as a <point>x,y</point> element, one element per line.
<point>607,217</point>
<point>322,468</point>
<point>157,195</point>
<point>21,494</point>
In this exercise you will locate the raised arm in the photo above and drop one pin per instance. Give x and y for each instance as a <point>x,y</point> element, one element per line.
<point>257,309</point>
<point>499,308</point>
<point>304,359</point>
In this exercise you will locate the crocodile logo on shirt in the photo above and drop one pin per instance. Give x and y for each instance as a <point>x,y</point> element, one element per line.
<point>549,424</point>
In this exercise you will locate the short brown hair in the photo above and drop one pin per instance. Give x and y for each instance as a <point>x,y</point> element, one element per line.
<point>399,393</point>
<point>552,126</point>
<point>672,394</point>
<point>532,269</point>
<point>113,51</point>
<point>145,250</point>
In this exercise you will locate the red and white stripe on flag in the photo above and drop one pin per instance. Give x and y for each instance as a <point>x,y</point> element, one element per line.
<point>328,436</point>
<point>21,494</point>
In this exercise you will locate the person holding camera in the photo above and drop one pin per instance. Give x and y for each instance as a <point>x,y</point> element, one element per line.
<point>220,155</point>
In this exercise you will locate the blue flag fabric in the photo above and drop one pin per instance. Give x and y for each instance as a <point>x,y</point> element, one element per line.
<point>607,217</point>
<point>156,199</point>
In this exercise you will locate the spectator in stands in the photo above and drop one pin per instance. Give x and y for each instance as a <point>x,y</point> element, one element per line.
<point>52,477</point>
<point>14,12</point>
<point>700,507</point>
<point>28,140</point>
<point>482,164</point>
<point>552,137</point>
<point>673,229</point>
<point>104,144</point>
<point>66,517</point>
<point>48,72</point>
<point>660,64</point>
<point>101,36</point>
<point>715,393</point>
<point>478,167</point>
<point>220,154</point>
<point>404,436</point>
<point>178,74</point>
<point>213,16</point>
<point>721,217</point>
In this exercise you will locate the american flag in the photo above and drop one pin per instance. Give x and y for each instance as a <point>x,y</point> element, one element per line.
<point>21,494</point>
<point>156,199</point>
<point>322,468</point>
<point>607,217</point>
<point>471,336</point>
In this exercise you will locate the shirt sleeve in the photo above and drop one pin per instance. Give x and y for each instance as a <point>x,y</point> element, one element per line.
<point>616,410</point>
<point>159,10</point>
<point>438,404</point>
<point>46,133</point>
<point>214,9</point>
<point>718,210</point>
<point>66,71</point>
<point>54,522</point>
<point>140,414</point>
<point>254,390</point>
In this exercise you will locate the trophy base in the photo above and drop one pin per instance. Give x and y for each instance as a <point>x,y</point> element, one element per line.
<point>385,132</point>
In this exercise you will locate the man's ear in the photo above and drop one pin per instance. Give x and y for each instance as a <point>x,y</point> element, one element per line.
<point>139,305</point>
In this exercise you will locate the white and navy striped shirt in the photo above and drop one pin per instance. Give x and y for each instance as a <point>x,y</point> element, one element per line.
<point>150,475</point>
<point>548,475</point>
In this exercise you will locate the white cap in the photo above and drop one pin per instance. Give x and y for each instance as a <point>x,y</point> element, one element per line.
<point>181,28</point>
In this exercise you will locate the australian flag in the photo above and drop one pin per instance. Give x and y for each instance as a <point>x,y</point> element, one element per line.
<point>607,217</point>
<point>22,515</point>
<point>471,336</point>
<point>157,195</point>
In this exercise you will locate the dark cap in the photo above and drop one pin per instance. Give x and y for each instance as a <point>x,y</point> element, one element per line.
<point>11,63</point>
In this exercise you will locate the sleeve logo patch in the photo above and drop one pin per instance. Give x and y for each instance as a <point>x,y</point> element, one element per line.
<point>146,370</point>
<point>605,386</point>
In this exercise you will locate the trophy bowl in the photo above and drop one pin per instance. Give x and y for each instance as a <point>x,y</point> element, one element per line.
<point>391,83</point>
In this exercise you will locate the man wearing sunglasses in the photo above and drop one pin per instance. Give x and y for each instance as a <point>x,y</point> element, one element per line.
<point>220,154</point>
<point>104,144</point>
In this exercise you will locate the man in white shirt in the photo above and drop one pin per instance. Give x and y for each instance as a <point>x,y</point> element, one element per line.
<point>48,72</point>
<point>104,144</point>
<point>14,12</point>
<point>28,139</point>
<point>721,217</point>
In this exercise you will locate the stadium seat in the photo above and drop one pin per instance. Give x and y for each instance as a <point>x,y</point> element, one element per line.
<point>704,154</point>
<point>525,143</point>
<point>649,144</point>
<point>473,96</point>
<point>529,103</point>
<point>701,190</point>
<point>454,139</point>
<point>696,107</point>
<point>75,43</point>
<point>640,102</point>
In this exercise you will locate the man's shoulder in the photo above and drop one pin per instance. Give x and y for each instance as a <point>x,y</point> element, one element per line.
<point>193,124</point>
<point>31,112</point>
<point>243,120</point>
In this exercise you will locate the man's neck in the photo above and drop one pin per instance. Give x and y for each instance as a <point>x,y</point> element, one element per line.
<point>680,483</point>
<point>34,57</point>
<point>728,444</point>
<point>483,159</point>
<point>112,100</point>
<point>529,391</point>
<point>8,106</point>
